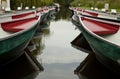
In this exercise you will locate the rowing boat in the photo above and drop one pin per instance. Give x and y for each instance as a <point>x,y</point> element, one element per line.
<point>15,36</point>
<point>106,46</point>
<point>16,15</point>
<point>95,13</point>
<point>23,14</point>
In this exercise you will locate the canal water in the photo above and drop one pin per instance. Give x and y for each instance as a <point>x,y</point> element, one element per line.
<point>58,57</point>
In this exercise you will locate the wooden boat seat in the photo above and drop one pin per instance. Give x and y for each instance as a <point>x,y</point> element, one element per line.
<point>100,27</point>
<point>18,25</point>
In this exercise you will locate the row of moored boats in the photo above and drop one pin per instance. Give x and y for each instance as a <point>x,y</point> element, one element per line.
<point>17,29</point>
<point>101,30</point>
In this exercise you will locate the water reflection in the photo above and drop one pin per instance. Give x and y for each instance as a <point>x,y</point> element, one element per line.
<point>59,59</point>
<point>59,39</point>
<point>91,68</point>
<point>22,68</point>
<point>64,14</point>
<point>37,43</point>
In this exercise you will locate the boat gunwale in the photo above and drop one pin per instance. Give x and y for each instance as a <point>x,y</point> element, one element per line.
<point>20,32</point>
<point>94,11</point>
<point>15,14</point>
<point>99,37</point>
<point>108,19</point>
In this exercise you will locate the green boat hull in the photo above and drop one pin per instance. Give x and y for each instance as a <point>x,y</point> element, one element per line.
<point>13,47</point>
<point>106,52</point>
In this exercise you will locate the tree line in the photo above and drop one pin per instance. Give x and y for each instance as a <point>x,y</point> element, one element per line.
<point>96,3</point>
<point>81,3</point>
<point>37,3</point>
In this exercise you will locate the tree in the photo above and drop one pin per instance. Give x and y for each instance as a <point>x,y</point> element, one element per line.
<point>63,2</point>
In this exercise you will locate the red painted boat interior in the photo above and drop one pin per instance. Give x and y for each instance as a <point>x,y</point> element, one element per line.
<point>19,25</point>
<point>22,15</point>
<point>90,13</point>
<point>100,27</point>
<point>87,12</point>
<point>79,9</point>
<point>39,11</point>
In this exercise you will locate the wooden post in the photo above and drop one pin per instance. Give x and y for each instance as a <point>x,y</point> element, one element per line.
<point>0,5</point>
<point>8,6</point>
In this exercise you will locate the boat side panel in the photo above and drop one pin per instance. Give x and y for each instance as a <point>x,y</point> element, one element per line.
<point>13,54</point>
<point>104,50</point>
<point>11,43</point>
<point>22,15</point>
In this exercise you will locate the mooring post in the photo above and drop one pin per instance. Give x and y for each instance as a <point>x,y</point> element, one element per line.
<point>7,8</point>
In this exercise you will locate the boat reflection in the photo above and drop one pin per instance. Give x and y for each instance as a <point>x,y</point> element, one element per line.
<point>80,43</point>
<point>22,68</point>
<point>37,43</point>
<point>91,68</point>
<point>45,23</point>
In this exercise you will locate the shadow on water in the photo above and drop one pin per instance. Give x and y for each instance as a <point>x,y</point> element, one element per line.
<point>91,68</point>
<point>22,68</point>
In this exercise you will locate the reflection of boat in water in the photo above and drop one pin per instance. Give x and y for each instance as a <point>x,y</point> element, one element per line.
<point>81,43</point>
<point>44,25</point>
<point>48,16</point>
<point>45,22</point>
<point>37,44</point>
<point>91,68</point>
<point>22,68</point>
